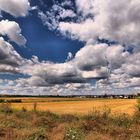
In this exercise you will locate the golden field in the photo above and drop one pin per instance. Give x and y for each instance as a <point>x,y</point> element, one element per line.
<point>69,119</point>
<point>76,105</point>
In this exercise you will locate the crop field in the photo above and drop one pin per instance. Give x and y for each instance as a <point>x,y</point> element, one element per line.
<point>75,105</point>
<point>69,119</point>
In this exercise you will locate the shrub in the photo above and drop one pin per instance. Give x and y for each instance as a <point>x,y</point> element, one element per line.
<point>106,112</point>
<point>122,120</point>
<point>69,118</point>
<point>6,108</point>
<point>10,122</point>
<point>93,115</point>
<point>23,109</point>
<point>120,133</point>
<point>90,125</point>
<point>44,122</point>
<point>38,135</point>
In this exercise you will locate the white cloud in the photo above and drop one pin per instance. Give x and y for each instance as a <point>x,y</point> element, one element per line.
<point>8,55</point>
<point>48,20</point>
<point>85,7</point>
<point>95,56</point>
<point>69,57</point>
<point>100,61</point>
<point>111,65</point>
<point>13,31</point>
<point>132,65</point>
<point>15,7</point>
<point>67,13</point>
<point>84,31</point>
<point>10,60</point>
<point>91,56</point>
<point>51,73</point>
<point>117,21</point>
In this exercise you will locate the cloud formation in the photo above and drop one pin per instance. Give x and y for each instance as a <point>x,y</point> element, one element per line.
<point>10,60</point>
<point>10,31</point>
<point>8,55</point>
<point>13,31</point>
<point>14,7</point>
<point>113,66</point>
<point>117,21</point>
<point>47,73</point>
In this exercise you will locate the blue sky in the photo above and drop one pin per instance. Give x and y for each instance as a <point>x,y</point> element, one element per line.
<point>46,44</point>
<point>69,47</point>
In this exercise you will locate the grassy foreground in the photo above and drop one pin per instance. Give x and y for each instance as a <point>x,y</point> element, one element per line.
<point>37,125</point>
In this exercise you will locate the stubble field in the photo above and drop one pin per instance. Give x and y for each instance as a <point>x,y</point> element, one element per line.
<point>76,105</point>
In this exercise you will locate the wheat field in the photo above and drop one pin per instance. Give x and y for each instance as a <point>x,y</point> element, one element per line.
<point>76,105</point>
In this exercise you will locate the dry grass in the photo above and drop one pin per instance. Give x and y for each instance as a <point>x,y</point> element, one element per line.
<point>79,106</point>
<point>95,125</point>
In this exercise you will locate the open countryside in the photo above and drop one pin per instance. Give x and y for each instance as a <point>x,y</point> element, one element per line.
<point>69,119</point>
<point>75,105</point>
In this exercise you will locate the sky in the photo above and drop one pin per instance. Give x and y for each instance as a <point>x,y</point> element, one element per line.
<point>69,47</point>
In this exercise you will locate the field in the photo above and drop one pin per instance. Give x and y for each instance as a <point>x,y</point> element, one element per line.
<point>69,119</point>
<point>76,105</point>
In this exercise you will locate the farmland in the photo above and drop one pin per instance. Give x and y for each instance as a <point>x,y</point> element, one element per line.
<point>76,105</point>
<point>69,119</point>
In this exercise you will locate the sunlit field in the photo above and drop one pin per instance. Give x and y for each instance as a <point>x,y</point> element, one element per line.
<point>69,119</point>
<point>76,105</point>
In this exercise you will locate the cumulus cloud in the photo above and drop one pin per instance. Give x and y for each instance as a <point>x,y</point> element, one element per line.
<point>15,7</point>
<point>113,66</point>
<point>132,65</point>
<point>98,60</point>
<point>50,73</point>
<point>7,54</point>
<point>106,64</point>
<point>85,7</point>
<point>13,31</point>
<point>10,60</point>
<point>114,21</point>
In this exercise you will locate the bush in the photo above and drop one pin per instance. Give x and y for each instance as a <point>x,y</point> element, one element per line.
<point>122,120</point>
<point>90,125</point>
<point>93,115</point>
<point>38,135</point>
<point>106,112</point>
<point>69,118</point>
<point>6,108</point>
<point>23,109</point>
<point>44,122</point>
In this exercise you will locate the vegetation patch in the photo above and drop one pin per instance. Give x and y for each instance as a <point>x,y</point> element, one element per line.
<point>45,125</point>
